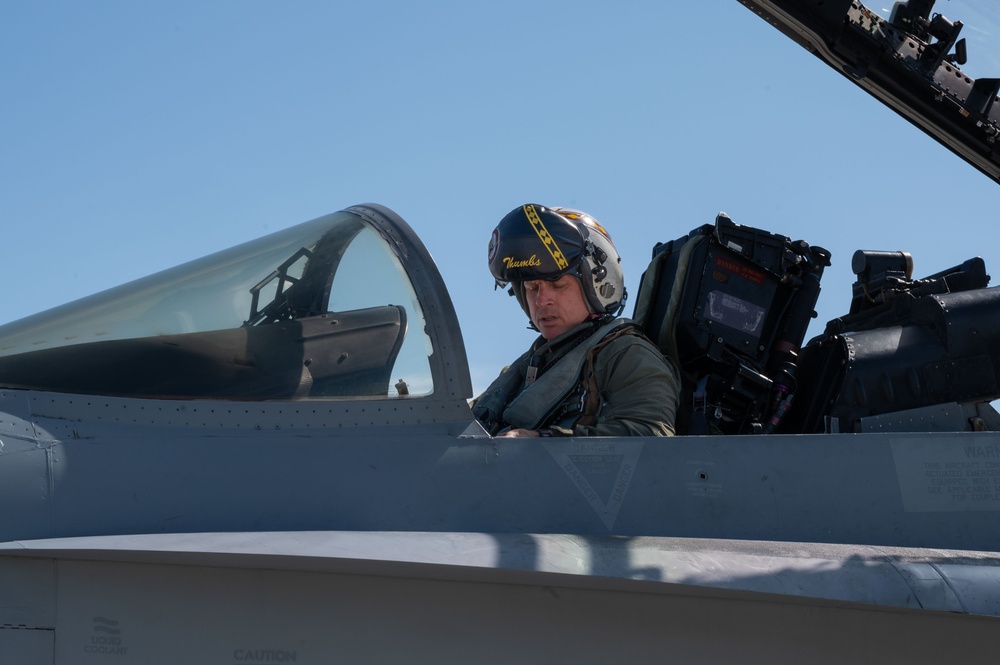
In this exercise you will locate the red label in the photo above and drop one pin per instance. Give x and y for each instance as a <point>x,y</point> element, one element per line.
<point>734,268</point>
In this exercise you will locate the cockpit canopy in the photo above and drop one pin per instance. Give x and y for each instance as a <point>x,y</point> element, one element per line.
<point>911,61</point>
<point>326,309</point>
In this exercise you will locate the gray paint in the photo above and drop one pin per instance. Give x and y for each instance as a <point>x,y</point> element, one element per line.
<point>100,466</point>
<point>449,598</point>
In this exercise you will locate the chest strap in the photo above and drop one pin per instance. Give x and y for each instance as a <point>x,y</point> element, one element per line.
<point>536,403</point>
<point>591,394</point>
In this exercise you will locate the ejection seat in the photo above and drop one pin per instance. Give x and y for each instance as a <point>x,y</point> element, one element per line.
<point>729,305</point>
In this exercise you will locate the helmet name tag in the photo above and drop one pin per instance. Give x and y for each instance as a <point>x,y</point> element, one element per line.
<point>531,262</point>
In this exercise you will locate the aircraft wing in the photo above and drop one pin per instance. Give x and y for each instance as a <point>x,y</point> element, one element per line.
<point>478,597</point>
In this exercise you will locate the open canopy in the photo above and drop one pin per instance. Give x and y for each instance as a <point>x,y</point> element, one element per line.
<point>911,61</point>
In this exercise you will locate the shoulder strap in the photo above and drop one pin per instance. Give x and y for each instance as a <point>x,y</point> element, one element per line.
<point>532,407</point>
<point>591,394</point>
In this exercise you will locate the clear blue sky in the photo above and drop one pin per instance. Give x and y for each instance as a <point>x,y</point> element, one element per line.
<point>136,136</point>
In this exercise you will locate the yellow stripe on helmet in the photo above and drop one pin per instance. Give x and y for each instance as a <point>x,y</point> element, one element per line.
<point>545,237</point>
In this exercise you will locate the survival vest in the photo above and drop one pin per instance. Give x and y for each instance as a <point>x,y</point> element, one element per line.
<point>512,401</point>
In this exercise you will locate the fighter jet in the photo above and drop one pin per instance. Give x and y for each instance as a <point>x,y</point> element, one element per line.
<point>267,455</point>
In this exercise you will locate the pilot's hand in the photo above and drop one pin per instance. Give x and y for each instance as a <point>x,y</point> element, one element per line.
<point>519,433</point>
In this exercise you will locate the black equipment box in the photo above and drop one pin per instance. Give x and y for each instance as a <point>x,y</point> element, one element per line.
<point>907,344</point>
<point>730,304</point>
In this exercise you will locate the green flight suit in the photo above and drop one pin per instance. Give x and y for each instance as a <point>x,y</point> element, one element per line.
<point>637,387</point>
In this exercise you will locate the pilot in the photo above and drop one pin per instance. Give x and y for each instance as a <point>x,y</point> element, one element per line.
<point>589,373</point>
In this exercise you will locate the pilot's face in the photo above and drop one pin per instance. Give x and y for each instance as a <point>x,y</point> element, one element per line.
<point>556,307</point>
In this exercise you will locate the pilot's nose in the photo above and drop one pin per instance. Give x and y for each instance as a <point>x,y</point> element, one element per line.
<point>543,296</point>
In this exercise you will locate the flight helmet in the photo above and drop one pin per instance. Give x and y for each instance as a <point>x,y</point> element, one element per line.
<point>536,242</point>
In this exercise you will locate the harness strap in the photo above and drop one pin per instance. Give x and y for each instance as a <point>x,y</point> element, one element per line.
<point>534,406</point>
<point>590,396</point>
